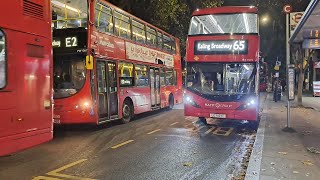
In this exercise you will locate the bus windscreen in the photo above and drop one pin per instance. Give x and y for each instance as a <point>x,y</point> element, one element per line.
<point>221,78</point>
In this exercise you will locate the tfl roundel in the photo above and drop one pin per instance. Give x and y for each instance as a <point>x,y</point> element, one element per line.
<point>287,8</point>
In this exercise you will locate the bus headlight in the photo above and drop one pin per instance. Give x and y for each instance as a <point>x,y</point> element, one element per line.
<point>251,102</point>
<point>83,105</point>
<point>248,104</point>
<point>189,100</point>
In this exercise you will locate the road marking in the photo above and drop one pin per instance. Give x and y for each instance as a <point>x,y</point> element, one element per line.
<point>174,123</point>
<point>122,144</point>
<point>57,174</point>
<point>201,127</point>
<point>223,131</point>
<point>154,131</point>
<point>211,129</point>
<point>45,178</point>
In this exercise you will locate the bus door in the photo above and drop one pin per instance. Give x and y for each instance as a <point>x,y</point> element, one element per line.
<point>155,87</point>
<point>107,90</point>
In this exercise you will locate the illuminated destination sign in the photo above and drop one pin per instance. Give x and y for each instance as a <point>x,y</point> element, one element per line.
<point>221,47</point>
<point>65,42</point>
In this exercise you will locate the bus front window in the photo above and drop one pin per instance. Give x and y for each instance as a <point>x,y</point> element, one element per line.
<point>69,75</point>
<point>69,14</point>
<point>221,78</point>
<point>224,24</point>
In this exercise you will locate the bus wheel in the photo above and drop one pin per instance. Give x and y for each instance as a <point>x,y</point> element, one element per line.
<point>171,102</point>
<point>203,120</point>
<point>127,111</point>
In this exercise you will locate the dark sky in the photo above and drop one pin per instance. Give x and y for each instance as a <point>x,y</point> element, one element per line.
<point>236,3</point>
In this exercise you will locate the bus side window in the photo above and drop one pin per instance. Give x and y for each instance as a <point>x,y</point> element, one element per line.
<point>126,74</point>
<point>162,77</point>
<point>173,46</point>
<point>166,43</point>
<point>103,18</point>
<point>175,77</point>
<point>169,77</point>
<point>3,77</point>
<point>142,77</point>
<point>138,32</point>
<point>122,25</point>
<point>160,41</point>
<point>151,37</point>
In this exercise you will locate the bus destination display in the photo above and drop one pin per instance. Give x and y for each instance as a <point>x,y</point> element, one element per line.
<point>65,42</point>
<point>221,47</point>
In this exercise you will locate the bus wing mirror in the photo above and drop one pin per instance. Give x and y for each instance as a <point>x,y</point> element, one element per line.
<point>89,62</point>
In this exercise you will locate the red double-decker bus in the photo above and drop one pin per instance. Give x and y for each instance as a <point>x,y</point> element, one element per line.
<point>25,75</point>
<point>109,64</point>
<point>222,64</point>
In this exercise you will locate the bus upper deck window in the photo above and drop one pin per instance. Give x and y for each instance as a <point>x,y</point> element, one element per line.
<point>2,60</point>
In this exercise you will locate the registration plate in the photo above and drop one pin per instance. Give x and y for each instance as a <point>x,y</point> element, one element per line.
<point>56,119</point>
<point>217,115</point>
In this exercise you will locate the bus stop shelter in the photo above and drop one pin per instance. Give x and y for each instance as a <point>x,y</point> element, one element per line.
<point>307,35</point>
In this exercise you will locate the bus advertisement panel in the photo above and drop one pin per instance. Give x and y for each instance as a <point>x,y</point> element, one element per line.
<point>222,64</point>
<point>25,75</point>
<point>113,68</point>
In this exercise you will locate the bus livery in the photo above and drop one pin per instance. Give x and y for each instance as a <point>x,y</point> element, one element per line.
<point>25,75</point>
<point>222,62</point>
<point>109,64</point>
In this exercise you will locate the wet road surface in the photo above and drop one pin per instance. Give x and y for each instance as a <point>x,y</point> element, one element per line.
<point>157,145</point>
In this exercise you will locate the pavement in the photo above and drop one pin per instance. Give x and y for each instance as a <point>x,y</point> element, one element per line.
<point>287,155</point>
<point>157,145</point>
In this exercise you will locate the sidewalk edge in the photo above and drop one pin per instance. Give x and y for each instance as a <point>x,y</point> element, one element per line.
<point>253,170</point>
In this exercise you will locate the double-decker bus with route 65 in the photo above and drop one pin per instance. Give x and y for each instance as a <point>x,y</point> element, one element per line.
<point>222,62</point>
<point>25,75</point>
<point>109,64</point>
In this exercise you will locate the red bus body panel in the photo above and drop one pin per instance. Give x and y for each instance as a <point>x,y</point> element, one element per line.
<point>232,110</point>
<point>26,100</point>
<point>109,47</point>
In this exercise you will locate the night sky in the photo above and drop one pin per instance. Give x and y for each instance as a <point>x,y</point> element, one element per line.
<point>236,3</point>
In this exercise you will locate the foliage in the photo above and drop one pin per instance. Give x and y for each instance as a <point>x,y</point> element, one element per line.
<point>173,16</point>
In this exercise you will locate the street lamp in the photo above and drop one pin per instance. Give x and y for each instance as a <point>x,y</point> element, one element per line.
<point>264,19</point>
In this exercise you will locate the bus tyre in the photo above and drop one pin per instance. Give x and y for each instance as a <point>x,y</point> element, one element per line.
<point>203,120</point>
<point>171,102</point>
<point>127,111</point>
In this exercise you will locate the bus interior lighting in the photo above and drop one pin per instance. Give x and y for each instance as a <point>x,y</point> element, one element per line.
<point>245,18</point>
<point>215,23</point>
<point>65,6</point>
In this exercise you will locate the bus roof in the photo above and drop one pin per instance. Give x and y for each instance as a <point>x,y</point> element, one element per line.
<point>140,20</point>
<point>225,10</point>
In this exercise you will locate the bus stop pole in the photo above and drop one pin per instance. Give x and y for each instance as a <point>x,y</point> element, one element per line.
<point>287,66</point>
<point>290,78</point>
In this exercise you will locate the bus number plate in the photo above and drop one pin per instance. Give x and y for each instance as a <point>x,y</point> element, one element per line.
<point>56,119</point>
<point>217,115</point>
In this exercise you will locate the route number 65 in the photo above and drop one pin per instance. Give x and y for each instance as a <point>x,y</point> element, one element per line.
<point>239,45</point>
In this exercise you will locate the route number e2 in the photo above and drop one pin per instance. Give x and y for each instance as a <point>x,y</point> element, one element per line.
<point>239,45</point>
<point>71,42</point>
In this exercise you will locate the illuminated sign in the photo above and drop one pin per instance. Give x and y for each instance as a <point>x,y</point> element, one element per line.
<point>71,42</point>
<point>65,42</point>
<point>311,44</point>
<point>221,47</point>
